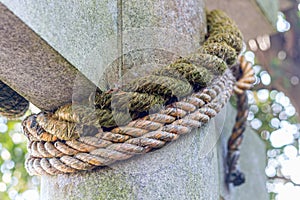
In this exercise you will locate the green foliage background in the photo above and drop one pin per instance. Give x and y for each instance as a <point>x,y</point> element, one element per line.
<point>15,182</point>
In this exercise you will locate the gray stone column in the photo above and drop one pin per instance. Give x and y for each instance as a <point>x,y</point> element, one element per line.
<point>111,42</point>
<point>34,69</point>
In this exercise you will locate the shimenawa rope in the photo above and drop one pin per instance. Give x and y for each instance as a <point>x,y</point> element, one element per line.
<point>117,125</point>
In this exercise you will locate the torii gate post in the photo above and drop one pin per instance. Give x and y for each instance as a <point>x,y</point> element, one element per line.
<point>93,36</point>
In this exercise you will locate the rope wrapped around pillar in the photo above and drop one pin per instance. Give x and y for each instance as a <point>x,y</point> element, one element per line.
<point>117,124</point>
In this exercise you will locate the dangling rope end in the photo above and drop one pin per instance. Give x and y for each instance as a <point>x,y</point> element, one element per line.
<point>245,76</point>
<point>236,177</point>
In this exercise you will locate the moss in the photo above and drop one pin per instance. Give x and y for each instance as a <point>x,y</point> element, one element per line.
<point>197,76</point>
<point>96,186</point>
<point>109,187</point>
<point>221,50</point>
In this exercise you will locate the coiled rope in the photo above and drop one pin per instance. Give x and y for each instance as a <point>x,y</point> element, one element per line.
<point>117,124</point>
<point>138,137</point>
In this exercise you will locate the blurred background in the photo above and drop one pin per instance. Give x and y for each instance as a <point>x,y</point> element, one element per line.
<point>273,112</point>
<point>275,100</point>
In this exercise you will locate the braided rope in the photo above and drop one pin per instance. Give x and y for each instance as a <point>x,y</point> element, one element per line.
<point>12,105</point>
<point>139,136</point>
<point>117,124</point>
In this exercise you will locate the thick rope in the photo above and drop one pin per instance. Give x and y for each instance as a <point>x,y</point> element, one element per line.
<point>118,125</point>
<point>12,105</point>
<point>139,136</point>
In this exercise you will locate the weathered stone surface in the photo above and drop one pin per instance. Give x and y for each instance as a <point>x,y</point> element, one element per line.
<point>180,170</point>
<point>34,69</point>
<point>94,34</point>
<point>190,168</point>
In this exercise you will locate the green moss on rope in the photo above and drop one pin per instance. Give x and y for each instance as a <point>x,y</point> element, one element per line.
<point>136,102</point>
<point>133,101</point>
<point>221,50</point>
<point>219,22</point>
<point>231,40</point>
<point>211,62</point>
<point>216,16</point>
<point>164,85</point>
<point>160,85</point>
<point>197,76</point>
<point>91,117</point>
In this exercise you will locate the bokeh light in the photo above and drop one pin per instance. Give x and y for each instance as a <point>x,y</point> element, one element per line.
<point>15,183</point>
<point>281,55</point>
<point>282,25</point>
<point>265,78</point>
<point>273,116</point>
<point>281,137</point>
<point>294,80</point>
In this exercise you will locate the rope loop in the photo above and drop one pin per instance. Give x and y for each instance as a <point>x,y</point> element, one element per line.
<point>146,113</point>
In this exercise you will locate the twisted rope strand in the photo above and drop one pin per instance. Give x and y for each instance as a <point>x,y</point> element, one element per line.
<point>245,82</point>
<point>117,125</point>
<point>12,105</point>
<point>141,137</point>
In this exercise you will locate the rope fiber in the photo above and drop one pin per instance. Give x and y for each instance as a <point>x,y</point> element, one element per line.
<point>148,112</point>
<point>12,105</point>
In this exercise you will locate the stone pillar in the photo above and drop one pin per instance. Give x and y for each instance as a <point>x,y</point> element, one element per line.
<point>110,42</point>
<point>34,69</point>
